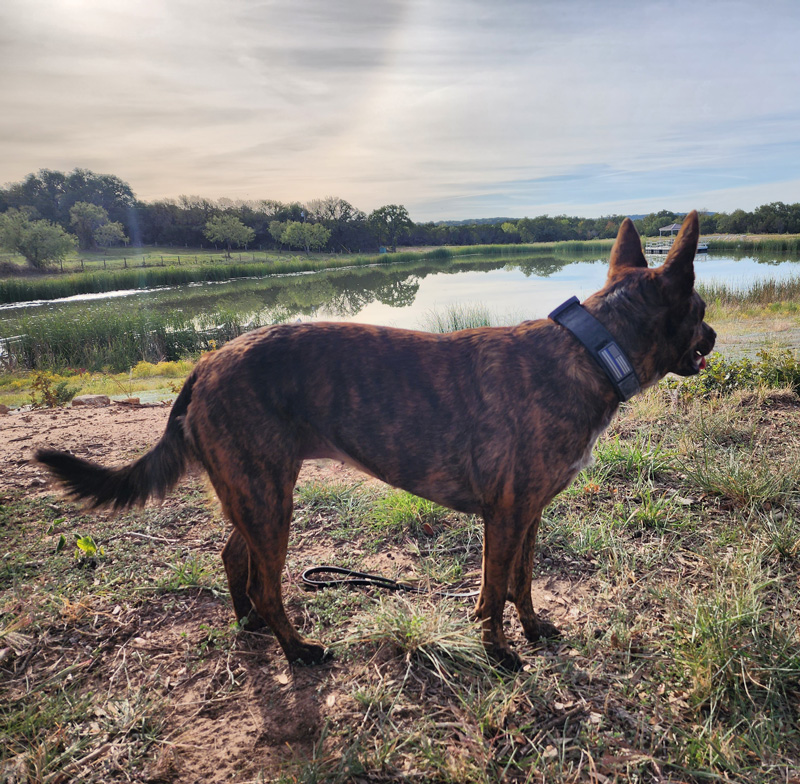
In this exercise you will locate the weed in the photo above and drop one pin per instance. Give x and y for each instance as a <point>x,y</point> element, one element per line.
<point>396,513</point>
<point>190,572</point>
<point>50,391</point>
<point>459,316</point>
<point>437,636</point>
<point>745,478</point>
<point>773,368</point>
<point>86,549</point>
<point>640,459</point>
<point>654,511</point>
<point>741,659</point>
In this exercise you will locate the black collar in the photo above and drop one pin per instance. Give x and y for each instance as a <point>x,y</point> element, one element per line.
<point>598,342</point>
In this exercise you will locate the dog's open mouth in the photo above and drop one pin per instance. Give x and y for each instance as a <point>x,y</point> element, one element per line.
<point>699,360</point>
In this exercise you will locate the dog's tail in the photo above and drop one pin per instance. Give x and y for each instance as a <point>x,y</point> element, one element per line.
<point>152,475</point>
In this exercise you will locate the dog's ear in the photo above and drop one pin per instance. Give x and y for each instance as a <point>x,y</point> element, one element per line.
<point>627,250</point>
<point>678,268</point>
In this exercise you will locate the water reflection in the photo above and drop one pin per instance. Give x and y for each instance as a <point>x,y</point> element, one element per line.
<point>398,294</point>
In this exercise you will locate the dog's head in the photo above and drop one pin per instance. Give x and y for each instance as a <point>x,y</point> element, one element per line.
<point>655,313</point>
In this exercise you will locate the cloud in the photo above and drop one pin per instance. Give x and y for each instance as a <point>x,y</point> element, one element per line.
<point>457,108</point>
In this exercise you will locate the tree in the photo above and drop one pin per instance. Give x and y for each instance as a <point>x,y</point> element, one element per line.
<point>389,222</point>
<point>311,236</point>
<point>342,219</point>
<point>39,241</point>
<point>53,194</point>
<point>111,233</point>
<point>276,229</point>
<point>228,230</point>
<point>86,219</point>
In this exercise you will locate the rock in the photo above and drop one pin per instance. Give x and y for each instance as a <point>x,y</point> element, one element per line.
<point>91,401</point>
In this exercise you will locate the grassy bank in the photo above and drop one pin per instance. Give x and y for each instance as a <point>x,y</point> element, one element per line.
<point>774,243</point>
<point>182,270</point>
<point>765,296</point>
<point>671,566</point>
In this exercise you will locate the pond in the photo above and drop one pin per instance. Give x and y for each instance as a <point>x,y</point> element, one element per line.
<point>403,295</point>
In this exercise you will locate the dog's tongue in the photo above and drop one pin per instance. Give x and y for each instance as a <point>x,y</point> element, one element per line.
<point>702,364</point>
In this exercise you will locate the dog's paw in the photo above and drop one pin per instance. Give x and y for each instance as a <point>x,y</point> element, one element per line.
<point>505,658</point>
<point>538,628</point>
<point>309,653</point>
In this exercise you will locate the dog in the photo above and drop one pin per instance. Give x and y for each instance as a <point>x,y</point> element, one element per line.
<point>493,421</point>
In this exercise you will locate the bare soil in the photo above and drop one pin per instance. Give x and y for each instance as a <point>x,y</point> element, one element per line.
<point>108,435</point>
<point>232,711</point>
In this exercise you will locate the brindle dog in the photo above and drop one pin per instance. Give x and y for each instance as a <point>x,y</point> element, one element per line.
<point>492,421</point>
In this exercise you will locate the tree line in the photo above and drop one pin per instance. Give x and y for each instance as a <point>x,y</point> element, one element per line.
<point>50,213</point>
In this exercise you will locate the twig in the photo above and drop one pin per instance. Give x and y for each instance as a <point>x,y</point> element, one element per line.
<point>142,536</point>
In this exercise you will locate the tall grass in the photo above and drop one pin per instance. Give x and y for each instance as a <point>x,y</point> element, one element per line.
<point>459,316</point>
<point>24,289</point>
<point>779,244</point>
<point>766,292</point>
<point>105,339</point>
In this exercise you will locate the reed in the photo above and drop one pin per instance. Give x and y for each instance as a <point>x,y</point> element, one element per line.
<point>460,316</point>
<point>114,340</point>
<point>765,292</point>
<point>789,243</point>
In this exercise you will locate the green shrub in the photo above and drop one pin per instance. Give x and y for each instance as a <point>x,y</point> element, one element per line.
<point>773,368</point>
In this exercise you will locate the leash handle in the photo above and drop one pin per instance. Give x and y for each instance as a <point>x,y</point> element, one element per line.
<point>352,578</point>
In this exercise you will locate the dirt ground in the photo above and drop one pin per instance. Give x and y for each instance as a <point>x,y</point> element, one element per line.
<point>231,714</point>
<point>109,435</point>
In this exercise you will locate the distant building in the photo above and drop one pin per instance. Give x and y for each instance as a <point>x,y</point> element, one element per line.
<point>673,228</point>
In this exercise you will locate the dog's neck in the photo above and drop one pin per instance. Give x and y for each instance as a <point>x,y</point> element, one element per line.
<point>601,345</point>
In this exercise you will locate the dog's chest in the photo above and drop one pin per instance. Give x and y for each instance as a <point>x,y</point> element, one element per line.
<point>586,457</point>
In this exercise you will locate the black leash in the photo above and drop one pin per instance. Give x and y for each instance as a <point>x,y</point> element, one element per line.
<point>353,579</point>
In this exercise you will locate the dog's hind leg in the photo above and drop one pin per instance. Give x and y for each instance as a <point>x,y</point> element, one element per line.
<point>260,507</point>
<point>237,567</point>
<point>502,534</point>
<point>519,587</point>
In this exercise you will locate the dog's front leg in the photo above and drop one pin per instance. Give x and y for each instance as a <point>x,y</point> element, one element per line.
<point>519,586</point>
<point>501,542</point>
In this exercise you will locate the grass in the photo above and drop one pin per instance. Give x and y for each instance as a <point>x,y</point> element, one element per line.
<point>671,565</point>
<point>786,243</point>
<point>771,294</point>
<point>147,381</point>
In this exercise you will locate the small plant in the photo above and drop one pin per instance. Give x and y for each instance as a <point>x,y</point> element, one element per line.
<point>399,512</point>
<point>437,636</point>
<point>627,460</point>
<point>189,573</point>
<point>126,389</point>
<point>50,391</point>
<point>86,546</point>
<point>746,479</point>
<point>653,511</point>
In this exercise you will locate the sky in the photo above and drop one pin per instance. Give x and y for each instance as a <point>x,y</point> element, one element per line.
<point>457,109</point>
